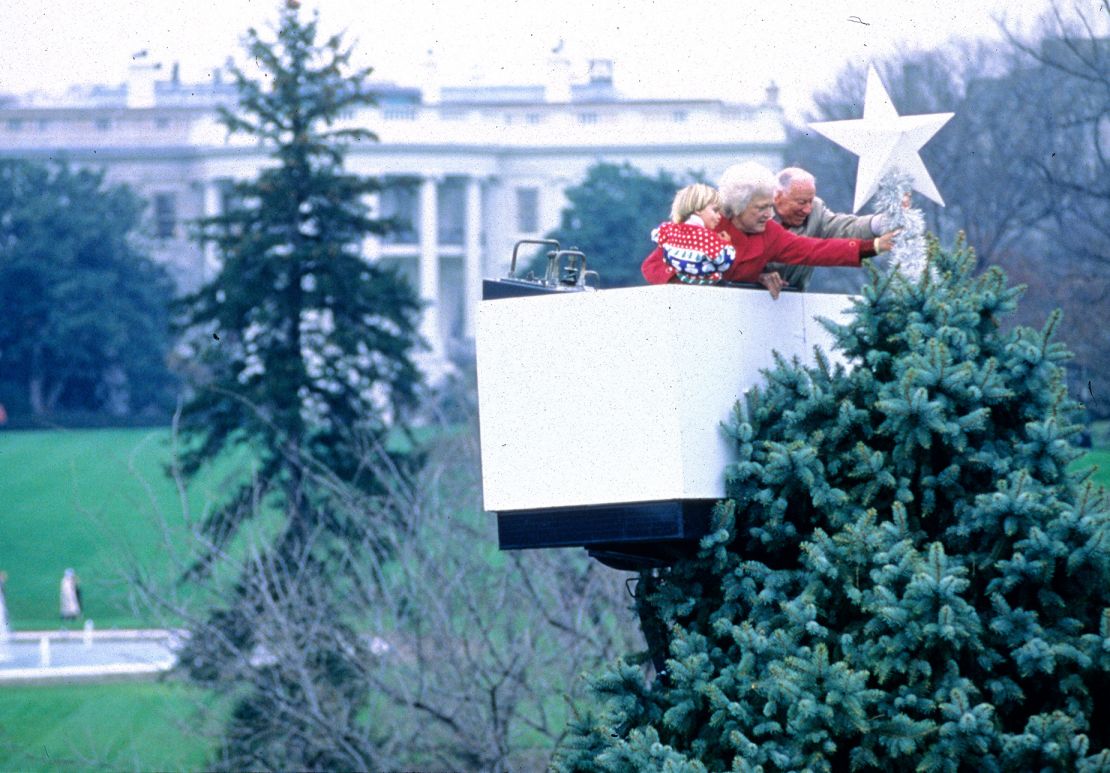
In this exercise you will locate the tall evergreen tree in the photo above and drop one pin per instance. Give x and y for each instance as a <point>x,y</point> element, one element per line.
<point>298,346</point>
<point>905,575</point>
<point>301,351</point>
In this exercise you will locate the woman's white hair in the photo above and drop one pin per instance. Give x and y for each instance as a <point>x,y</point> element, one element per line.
<point>741,182</point>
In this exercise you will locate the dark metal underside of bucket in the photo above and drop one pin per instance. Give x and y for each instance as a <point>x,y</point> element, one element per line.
<point>631,536</point>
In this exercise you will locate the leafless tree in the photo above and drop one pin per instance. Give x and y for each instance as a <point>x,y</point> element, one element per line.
<point>1063,71</point>
<point>1067,64</point>
<point>986,196</point>
<point>1024,166</point>
<point>436,651</point>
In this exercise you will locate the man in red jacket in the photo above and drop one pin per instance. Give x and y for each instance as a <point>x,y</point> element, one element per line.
<point>747,192</point>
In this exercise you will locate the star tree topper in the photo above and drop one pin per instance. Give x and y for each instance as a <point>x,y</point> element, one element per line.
<point>885,141</point>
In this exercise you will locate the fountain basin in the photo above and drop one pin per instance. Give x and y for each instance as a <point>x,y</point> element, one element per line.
<point>37,656</point>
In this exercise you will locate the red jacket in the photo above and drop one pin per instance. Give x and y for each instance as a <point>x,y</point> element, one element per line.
<point>754,251</point>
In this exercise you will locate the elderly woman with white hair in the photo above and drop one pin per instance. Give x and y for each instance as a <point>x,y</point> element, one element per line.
<point>747,192</point>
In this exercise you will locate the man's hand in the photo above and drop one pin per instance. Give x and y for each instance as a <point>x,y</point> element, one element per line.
<point>885,243</point>
<point>773,282</point>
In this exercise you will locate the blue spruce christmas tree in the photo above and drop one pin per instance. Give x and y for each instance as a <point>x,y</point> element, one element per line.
<point>905,575</point>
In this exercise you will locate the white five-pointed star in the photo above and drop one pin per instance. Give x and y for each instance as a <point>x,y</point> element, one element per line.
<point>884,141</point>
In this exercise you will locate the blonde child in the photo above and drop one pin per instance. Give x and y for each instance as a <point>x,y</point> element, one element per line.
<point>691,246</point>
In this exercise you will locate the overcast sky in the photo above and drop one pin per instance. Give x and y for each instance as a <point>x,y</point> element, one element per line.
<point>668,48</point>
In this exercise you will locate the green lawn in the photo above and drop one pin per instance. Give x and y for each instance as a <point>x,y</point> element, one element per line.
<point>1099,457</point>
<point>94,500</point>
<point>117,726</point>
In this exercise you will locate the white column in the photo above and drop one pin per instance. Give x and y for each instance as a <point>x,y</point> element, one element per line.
<point>473,266</point>
<point>372,243</point>
<point>211,265</point>
<point>429,264</point>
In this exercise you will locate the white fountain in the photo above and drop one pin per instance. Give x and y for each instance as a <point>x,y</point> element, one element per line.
<point>37,656</point>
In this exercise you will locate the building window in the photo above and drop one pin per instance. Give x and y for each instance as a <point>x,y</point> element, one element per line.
<point>587,118</point>
<point>103,124</point>
<point>527,210</point>
<point>14,124</point>
<point>230,198</point>
<point>678,116</point>
<point>398,202</point>
<point>162,123</point>
<point>532,118</point>
<point>43,124</point>
<point>451,212</point>
<point>165,215</point>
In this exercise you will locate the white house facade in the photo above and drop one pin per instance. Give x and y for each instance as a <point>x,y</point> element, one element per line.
<point>483,166</point>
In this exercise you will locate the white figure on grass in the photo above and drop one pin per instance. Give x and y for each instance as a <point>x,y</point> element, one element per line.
<point>5,631</point>
<point>70,596</point>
